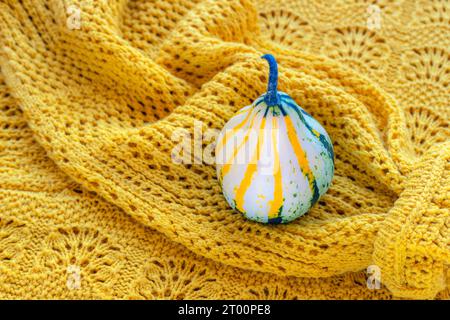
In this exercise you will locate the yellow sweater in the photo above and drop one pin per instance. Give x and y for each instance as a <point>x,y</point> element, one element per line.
<point>92,206</point>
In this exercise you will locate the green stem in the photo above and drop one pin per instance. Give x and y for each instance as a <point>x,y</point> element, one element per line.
<point>272,97</point>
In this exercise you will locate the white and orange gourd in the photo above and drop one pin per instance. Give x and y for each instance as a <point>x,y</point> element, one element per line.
<point>274,160</point>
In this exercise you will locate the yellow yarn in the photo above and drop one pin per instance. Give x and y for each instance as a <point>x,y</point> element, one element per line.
<point>87,180</point>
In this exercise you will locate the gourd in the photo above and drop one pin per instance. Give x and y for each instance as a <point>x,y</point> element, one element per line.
<point>273,159</point>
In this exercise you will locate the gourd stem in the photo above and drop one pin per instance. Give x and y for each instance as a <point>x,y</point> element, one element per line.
<point>272,97</point>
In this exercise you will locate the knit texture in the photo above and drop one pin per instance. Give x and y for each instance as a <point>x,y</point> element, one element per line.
<point>86,176</point>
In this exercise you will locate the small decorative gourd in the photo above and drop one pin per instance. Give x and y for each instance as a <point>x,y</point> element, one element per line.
<point>273,159</point>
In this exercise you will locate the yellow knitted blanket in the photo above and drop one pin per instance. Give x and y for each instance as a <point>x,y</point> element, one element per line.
<point>92,92</point>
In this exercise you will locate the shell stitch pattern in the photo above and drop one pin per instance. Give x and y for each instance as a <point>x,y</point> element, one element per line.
<point>13,236</point>
<point>176,279</point>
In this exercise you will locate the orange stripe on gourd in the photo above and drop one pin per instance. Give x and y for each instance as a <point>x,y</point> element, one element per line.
<point>252,167</point>
<point>299,153</point>
<point>227,166</point>
<point>277,201</point>
<point>231,132</point>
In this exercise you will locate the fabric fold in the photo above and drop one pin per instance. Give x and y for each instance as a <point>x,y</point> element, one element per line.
<point>413,244</point>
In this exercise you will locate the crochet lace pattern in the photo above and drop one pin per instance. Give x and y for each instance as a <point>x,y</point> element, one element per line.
<point>87,181</point>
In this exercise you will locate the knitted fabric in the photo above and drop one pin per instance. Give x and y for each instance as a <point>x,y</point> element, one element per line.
<point>87,116</point>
